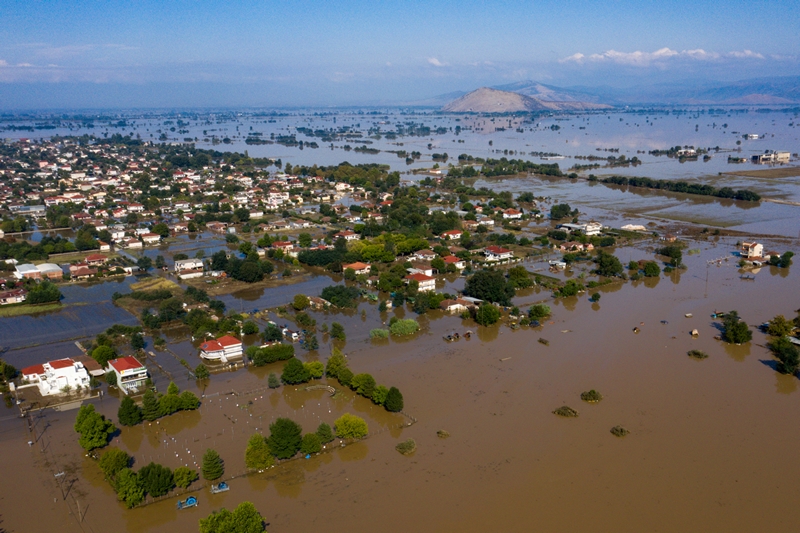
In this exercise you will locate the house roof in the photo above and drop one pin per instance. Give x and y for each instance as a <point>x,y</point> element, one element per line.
<point>419,277</point>
<point>228,340</point>
<point>125,363</point>
<point>61,363</point>
<point>356,266</point>
<point>96,257</point>
<point>452,259</point>
<point>33,369</point>
<point>497,250</point>
<point>211,346</point>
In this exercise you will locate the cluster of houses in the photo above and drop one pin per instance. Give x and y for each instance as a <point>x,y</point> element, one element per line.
<point>68,374</point>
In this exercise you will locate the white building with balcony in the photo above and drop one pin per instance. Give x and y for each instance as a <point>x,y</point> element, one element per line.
<point>57,376</point>
<point>131,374</point>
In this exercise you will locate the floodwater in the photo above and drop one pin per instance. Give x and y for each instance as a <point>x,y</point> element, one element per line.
<point>710,446</point>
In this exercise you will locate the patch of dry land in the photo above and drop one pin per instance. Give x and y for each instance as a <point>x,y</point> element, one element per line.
<point>220,286</point>
<point>780,172</point>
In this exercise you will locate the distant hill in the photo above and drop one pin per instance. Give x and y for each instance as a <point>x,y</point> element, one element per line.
<point>487,100</point>
<point>548,93</point>
<point>540,96</point>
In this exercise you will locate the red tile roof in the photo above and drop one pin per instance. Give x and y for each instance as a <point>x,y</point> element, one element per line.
<point>227,341</point>
<point>34,369</point>
<point>497,250</point>
<point>211,346</point>
<point>418,277</point>
<point>62,363</point>
<point>125,363</point>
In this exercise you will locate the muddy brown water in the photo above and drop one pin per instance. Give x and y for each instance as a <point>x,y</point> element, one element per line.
<point>711,447</point>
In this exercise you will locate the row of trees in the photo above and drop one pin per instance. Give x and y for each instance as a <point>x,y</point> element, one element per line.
<point>154,407</point>
<point>685,187</point>
<point>152,479</point>
<point>363,384</point>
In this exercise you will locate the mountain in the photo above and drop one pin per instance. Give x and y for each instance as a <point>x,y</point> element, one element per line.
<point>487,100</point>
<point>548,93</point>
<point>535,96</point>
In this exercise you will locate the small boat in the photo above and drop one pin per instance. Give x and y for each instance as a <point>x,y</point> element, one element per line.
<point>468,334</point>
<point>219,487</point>
<point>688,315</point>
<point>191,501</point>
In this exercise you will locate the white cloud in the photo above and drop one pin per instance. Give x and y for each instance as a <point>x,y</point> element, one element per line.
<point>745,54</point>
<point>3,63</point>
<point>659,57</point>
<point>435,62</point>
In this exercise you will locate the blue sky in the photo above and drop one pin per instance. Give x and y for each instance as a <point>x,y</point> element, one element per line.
<point>263,53</point>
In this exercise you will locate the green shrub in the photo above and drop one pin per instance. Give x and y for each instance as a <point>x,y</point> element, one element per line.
<point>406,326</point>
<point>566,411</point>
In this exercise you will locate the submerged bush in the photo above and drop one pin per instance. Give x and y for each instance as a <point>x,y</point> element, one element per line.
<point>442,434</point>
<point>406,447</point>
<point>697,354</point>
<point>619,431</point>
<point>566,411</point>
<point>379,333</point>
<point>591,396</point>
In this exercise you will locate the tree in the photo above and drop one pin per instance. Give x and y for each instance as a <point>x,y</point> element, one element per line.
<point>189,401</point>
<point>201,372</point>
<point>379,395</point>
<point>249,328</point>
<point>103,354</point>
<point>607,264</point>
<point>734,330</point>
<point>271,333</point>
<point>113,461</point>
<point>137,341</point>
<point>273,382</point>
<point>144,263</point>
<point>129,488</point>
<point>349,426</point>
<point>45,292</point>
<point>300,302</point>
<point>363,384</point>
<point>169,404</point>
<point>129,414</point>
<point>304,240</point>
<point>184,476</point>
<point>651,269</point>
<point>559,211</point>
<point>156,479</point>
<point>780,327</point>
<point>337,331</point>
<point>244,519</point>
<point>325,433</point>
<point>336,363</point>
<point>539,311</point>
<point>213,467</point>
<point>487,314</point>
<point>294,372</point>
<point>315,369</point>
<point>160,261</point>
<point>673,251</point>
<point>490,286</point>
<point>93,428</point>
<point>394,400</point>
<point>284,439</point>
<point>173,389</point>
<point>310,444</point>
<point>519,277</point>
<point>257,455</point>
<point>787,354</point>
<point>150,406</point>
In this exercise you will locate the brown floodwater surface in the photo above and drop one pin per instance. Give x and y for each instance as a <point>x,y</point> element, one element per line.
<point>711,448</point>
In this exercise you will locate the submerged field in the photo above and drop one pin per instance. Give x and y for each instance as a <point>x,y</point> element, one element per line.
<point>708,449</point>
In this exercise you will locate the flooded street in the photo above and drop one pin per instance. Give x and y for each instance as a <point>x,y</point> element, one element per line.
<point>709,448</point>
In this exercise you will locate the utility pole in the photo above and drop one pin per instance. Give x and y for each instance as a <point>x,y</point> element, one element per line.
<point>59,477</point>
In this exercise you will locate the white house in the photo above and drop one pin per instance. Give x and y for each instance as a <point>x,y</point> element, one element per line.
<point>131,374</point>
<point>358,267</point>
<point>512,214</point>
<point>426,283</point>
<point>188,264</point>
<point>221,349</point>
<point>57,376</point>
<point>451,234</point>
<point>13,296</point>
<point>347,235</point>
<point>497,253</point>
<point>151,238</point>
<point>752,249</point>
